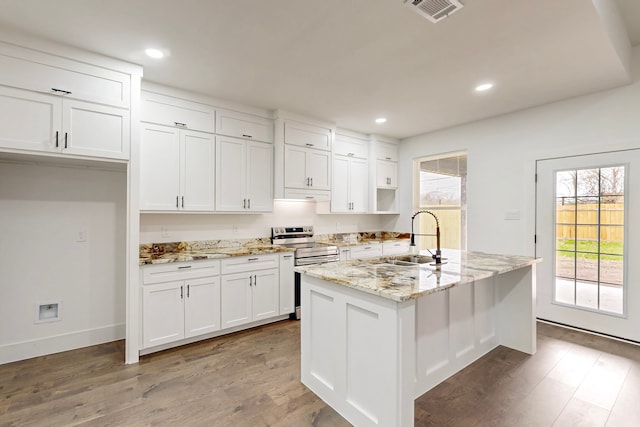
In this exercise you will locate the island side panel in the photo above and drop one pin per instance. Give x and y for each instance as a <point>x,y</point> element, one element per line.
<point>516,293</point>
<point>358,353</point>
<point>454,328</point>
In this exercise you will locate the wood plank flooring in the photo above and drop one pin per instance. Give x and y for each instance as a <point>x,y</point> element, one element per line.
<point>252,378</point>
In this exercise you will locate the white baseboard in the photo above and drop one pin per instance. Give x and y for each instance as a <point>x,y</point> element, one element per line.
<point>56,344</point>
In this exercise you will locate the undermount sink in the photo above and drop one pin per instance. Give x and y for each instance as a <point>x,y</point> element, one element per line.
<point>409,260</point>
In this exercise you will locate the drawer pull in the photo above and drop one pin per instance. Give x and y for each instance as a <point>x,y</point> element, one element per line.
<point>309,145</point>
<point>180,125</point>
<point>252,259</point>
<point>65,92</point>
<point>247,136</point>
<point>287,256</point>
<point>182,267</point>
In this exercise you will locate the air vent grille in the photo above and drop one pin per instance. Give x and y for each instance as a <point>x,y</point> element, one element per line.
<point>435,10</point>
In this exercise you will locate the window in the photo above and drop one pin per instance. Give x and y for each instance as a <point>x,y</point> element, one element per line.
<point>589,245</point>
<point>440,187</point>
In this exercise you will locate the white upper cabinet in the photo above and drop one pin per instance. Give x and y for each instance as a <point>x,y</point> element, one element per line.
<point>178,112</point>
<point>45,73</point>
<point>306,135</point>
<point>387,151</point>
<point>241,125</point>
<point>307,168</point>
<point>244,175</point>
<point>176,169</point>
<point>351,185</point>
<point>386,174</point>
<point>351,146</point>
<point>53,105</point>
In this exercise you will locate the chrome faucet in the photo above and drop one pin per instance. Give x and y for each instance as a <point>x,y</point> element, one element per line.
<point>438,255</point>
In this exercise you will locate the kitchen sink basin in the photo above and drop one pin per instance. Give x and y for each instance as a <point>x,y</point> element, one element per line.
<point>410,260</point>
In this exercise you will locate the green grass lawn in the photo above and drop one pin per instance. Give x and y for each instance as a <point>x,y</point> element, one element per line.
<point>589,248</point>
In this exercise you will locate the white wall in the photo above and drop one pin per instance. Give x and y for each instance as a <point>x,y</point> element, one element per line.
<point>42,209</point>
<point>186,227</point>
<point>502,152</point>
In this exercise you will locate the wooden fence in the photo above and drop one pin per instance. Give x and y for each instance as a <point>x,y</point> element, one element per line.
<point>611,222</point>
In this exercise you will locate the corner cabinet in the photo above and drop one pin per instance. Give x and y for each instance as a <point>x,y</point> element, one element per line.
<point>244,175</point>
<point>176,169</point>
<point>249,289</point>
<point>56,106</point>
<point>179,301</point>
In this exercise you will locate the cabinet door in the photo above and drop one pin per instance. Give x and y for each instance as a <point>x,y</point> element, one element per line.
<point>307,135</point>
<point>266,294</point>
<point>235,299</point>
<point>159,168</point>
<point>359,185</point>
<point>243,125</point>
<point>287,284</point>
<point>340,201</point>
<point>29,120</point>
<point>295,167</point>
<point>197,171</point>
<point>231,175</point>
<point>170,111</point>
<point>387,152</point>
<point>202,306</point>
<point>260,177</point>
<point>162,313</point>
<point>95,130</point>
<point>319,169</point>
<point>386,174</point>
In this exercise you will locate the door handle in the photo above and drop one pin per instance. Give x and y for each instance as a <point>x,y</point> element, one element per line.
<point>188,286</point>
<point>57,138</point>
<point>66,134</point>
<point>244,203</point>
<point>183,201</point>
<point>248,203</point>
<point>177,198</point>
<point>255,280</point>
<point>250,281</point>
<point>181,291</point>
<point>312,181</point>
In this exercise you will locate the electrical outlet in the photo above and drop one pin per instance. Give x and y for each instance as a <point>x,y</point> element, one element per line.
<point>81,236</point>
<point>164,232</point>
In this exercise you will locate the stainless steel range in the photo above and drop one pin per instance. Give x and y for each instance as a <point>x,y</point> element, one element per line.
<point>307,251</point>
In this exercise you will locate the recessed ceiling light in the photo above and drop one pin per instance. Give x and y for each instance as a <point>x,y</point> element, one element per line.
<point>483,87</point>
<point>154,53</point>
<point>381,120</point>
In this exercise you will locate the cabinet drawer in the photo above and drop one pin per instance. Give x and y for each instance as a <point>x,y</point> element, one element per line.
<point>179,271</point>
<point>170,111</point>
<point>366,251</point>
<point>387,152</point>
<point>352,147</point>
<point>243,125</point>
<point>36,71</point>
<point>307,135</point>
<point>395,248</point>
<point>251,263</point>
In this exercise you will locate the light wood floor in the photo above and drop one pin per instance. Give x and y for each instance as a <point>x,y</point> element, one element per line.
<point>252,378</point>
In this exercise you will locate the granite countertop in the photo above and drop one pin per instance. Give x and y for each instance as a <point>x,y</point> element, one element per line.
<point>362,238</point>
<point>160,253</point>
<point>403,283</point>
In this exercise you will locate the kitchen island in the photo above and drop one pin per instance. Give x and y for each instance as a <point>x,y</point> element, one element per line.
<point>376,335</point>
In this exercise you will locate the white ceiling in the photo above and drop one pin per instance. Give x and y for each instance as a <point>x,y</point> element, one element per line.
<point>350,61</point>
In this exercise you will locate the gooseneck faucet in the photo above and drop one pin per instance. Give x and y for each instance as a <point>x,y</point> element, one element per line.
<point>438,255</point>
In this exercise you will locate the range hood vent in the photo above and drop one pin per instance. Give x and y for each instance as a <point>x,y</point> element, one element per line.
<point>434,10</point>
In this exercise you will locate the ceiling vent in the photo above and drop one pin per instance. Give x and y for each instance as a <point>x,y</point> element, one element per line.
<point>434,10</point>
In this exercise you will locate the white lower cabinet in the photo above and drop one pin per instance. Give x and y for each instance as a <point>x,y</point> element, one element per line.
<point>249,296</point>
<point>395,247</point>
<point>177,304</point>
<point>370,250</point>
<point>287,284</point>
